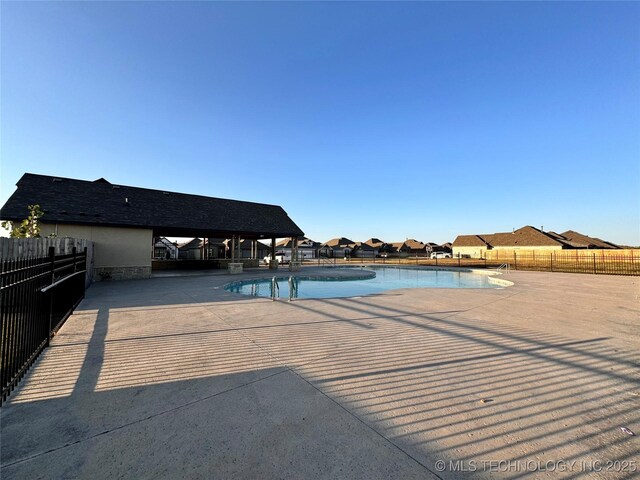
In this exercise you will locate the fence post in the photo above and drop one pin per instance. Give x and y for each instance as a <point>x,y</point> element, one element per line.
<point>52,267</point>
<point>551,261</point>
<point>458,260</point>
<point>515,260</point>
<point>594,263</point>
<point>85,267</point>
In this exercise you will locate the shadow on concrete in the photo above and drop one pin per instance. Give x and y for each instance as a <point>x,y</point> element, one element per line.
<point>336,388</point>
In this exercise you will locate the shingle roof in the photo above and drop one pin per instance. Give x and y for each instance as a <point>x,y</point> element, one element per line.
<point>374,242</point>
<point>586,241</point>
<point>288,243</point>
<point>82,202</point>
<point>191,244</point>
<point>398,246</point>
<point>414,244</point>
<point>523,237</point>
<point>469,241</point>
<point>339,242</point>
<point>364,246</point>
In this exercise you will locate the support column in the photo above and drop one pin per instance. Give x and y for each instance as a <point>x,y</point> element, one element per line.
<point>294,264</point>
<point>233,248</point>
<point>272,263</point>
<point>235,266</point>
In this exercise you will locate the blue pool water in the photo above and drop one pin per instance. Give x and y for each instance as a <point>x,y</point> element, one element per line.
<point>386,278</point>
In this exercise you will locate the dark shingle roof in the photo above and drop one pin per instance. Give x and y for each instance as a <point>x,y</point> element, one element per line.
<point>100,203</point>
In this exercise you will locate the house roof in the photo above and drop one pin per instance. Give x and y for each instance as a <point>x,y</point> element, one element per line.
<point>469,241</point>
<point>414,244</point>
<point>364,246</point>
<point>191,244</point>
<point>100,203</point>
<point>339,242</point>
<point>162,241</point>
<point>398,245</point>
<point>586,241</point>
<point>562,239</point>
<point>302,243</point>
<point>523,237</point>
<point>529,236</point>
<point>374,242</point>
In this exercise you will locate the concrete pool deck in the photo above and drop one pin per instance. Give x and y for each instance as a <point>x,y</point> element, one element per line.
<point>177,378</point>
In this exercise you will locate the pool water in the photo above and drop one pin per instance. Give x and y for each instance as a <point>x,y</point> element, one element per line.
<point>386,278</point>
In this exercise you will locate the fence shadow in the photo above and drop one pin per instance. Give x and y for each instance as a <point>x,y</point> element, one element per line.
<point>434,385</point>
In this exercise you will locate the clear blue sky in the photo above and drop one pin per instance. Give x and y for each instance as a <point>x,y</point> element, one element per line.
<point>394,120</point>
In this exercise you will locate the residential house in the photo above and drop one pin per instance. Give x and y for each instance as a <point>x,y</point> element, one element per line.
<point>400,249</point>
<point>364,250</point>
<point>191,250</point>
<point>337,247</point>
<point>416,247</point>
<point>469,246</point>
<point>307,248</point>
<point>431,247</point>
<point>164,249</point>
<point>248,248</point>
<point>526,238</point>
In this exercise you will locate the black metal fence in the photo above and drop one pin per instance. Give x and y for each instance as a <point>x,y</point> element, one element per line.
<point>36,296</point>
<point>625,263</point>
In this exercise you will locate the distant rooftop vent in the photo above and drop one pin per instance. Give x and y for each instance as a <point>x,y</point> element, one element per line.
<point>116,187</point>
<point>56,179</point>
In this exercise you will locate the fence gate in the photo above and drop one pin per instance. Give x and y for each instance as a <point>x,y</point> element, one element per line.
<point>36,296</point>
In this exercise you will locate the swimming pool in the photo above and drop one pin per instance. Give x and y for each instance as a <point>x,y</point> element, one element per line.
<point>386,278</point>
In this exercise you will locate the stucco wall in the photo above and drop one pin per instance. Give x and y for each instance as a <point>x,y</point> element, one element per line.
<point>121,252</point>
<point>473,252</point>
<point>545,248</point>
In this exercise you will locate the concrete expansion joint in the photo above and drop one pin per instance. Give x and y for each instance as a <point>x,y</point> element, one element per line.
<point>141,420</point>
<point>330,398</point>
<point>367,425</point>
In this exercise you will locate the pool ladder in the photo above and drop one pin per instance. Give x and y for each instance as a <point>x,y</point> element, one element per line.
<point>503,268</point>
<point>275,289</point>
